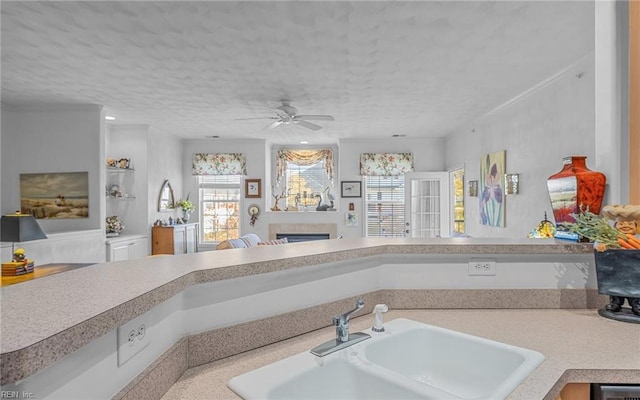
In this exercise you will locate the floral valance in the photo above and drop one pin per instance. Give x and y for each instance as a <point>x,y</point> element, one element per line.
<point>304,157</point>
<point>219,164</point>
<point>385,164</point>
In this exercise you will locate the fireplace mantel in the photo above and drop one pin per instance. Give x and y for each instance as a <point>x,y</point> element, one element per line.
<point>331,229</point>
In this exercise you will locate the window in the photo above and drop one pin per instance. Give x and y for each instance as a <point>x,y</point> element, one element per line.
<point>304,177</point>
<point>306,184</point>
<point>219,197</point>
<point>384,202</point>
<point>457,179</point>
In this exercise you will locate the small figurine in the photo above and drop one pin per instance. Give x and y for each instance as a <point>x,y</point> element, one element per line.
<point>123,163</point>
<point>19,255</point>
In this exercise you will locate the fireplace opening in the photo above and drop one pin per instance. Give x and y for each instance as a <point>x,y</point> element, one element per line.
<point>302,237</point>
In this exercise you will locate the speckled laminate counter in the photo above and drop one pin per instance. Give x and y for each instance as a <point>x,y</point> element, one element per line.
<point>51,317</point>
<point>579,346</point>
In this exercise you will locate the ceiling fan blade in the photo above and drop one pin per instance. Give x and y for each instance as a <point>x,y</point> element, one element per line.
<point>308,125</point>
<point>316,117</point>
<point>245,119</point>
<point>273,125</point>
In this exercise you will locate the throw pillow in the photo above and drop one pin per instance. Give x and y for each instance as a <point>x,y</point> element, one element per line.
<point>274,241</point>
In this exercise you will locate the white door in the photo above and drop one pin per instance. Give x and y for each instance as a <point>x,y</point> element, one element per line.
<point>427,204</point>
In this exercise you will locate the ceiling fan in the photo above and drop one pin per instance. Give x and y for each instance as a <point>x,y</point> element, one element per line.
<point>287,114</point>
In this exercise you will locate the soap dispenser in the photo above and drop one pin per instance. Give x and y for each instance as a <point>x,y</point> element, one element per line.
<point>378,310</point>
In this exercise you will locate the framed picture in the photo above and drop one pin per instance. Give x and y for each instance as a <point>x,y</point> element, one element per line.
<point>351,219</point>
<point>58,195</point>
<point>351,189</point>
<point>252,188</point>
<point>492,205</point>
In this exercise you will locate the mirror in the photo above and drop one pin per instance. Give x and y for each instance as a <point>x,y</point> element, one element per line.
<point>166,201</point>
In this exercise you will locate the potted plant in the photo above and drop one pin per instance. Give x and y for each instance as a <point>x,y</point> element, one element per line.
<point>617,257</point>
<point>187,208</point>
<point>114,226</point>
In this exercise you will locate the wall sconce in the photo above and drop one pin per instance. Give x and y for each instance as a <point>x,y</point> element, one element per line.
<point>512,183</point>
<point>473,188</point>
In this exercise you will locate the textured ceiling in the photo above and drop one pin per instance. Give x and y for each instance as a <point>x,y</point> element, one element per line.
<point>419,68</point>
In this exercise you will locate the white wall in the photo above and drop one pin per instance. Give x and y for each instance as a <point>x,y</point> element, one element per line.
<point>164,162</point>
<point>129,141</point>
<point>56,139</point>
<point>612,97</point>
<point>428,156</point>
<point>550,121</point>
<point>254,151</point>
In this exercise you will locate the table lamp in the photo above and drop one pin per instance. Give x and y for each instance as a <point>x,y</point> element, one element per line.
<point>19,228</point>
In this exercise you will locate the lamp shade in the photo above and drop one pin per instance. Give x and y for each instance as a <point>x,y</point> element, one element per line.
<point>20,228</point>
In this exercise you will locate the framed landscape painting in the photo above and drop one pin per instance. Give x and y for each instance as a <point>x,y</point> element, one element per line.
<point>57,195</point>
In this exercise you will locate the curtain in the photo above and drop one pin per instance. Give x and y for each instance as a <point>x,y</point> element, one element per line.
<point>304,157</point>
<point>385,164</point>
<point>219,164</point>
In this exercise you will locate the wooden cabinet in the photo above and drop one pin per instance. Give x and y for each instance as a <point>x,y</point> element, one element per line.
<point>174,239</point>
<point>575,391</point>
<point>127,248</point>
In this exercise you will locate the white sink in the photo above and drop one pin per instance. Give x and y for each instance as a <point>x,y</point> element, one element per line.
<point>466,366</point>
<point>411,360</point>
<point>337,378</point>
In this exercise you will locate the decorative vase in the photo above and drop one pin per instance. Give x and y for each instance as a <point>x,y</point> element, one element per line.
<point>618,275</point>
<point>573,189</point>
<point>186,215</point>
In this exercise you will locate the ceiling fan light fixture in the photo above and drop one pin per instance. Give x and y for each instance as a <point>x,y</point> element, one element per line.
<point>286,114</point>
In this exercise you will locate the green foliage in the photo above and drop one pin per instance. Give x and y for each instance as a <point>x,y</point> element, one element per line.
<point>594,228</point>
<point>186,205</point>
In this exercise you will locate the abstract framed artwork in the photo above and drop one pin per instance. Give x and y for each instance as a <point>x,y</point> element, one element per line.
<point>57,195</point>
<point>492,171</point>
<point>351,219</point>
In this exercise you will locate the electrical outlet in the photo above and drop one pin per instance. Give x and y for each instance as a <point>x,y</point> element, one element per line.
<point>482,267</point>
<point>132,338</point>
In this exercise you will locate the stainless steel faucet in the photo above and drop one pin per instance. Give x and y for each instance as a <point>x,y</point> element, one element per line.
<point>341,322</point>
<point>343,338</point>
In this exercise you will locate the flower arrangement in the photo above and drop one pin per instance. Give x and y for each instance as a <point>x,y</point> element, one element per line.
<point>186,205</point>
<point>114,225</point>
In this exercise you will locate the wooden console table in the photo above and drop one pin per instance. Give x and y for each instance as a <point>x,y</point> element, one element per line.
<point>40,271</point>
